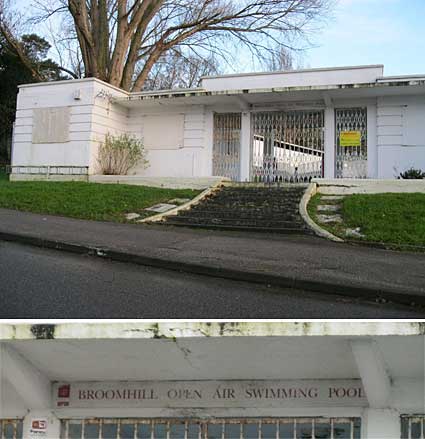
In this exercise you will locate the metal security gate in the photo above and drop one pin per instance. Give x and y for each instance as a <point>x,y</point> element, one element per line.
<point>249,428</point>
<point>227,145</point>
<point>287,146</point>
<point>351,158</point>
<point>413,427</point>
<point>11,428</point>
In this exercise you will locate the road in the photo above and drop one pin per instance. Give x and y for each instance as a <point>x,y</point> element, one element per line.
<point>39,283</point>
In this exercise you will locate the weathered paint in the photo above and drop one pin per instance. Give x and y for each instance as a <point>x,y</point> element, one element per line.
<point>176,330</point>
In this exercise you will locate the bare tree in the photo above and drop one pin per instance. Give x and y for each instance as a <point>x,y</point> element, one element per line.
<point>122,40</point>
<point>177,70</point>
<point>280,60</point>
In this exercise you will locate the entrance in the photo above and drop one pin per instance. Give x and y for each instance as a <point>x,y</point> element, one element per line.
<point>249,428</point>
<point>227,145</point>
<point>351,155</point>
<point>11,428</point>
<point>287,146</point>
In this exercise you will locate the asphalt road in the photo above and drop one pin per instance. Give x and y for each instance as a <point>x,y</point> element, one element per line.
<point>38,283</point>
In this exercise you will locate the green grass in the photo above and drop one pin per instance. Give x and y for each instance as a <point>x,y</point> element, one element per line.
<point>104,202</point>
<point>394,219</point>
<point>3,175</point>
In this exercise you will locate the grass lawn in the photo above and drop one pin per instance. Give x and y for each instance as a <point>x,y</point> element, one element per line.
<point>104,202</point>
<point>397,219</point>
<point>3,175</point>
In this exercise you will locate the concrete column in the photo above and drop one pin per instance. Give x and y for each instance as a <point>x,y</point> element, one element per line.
<point>381,424</point>
<point>375,379</point>
<point>245,146</point>
<point>209,143</point>
<point>44,418</point>
<point>329,142</point>
<point>372,142</point>
<point>30,384</point>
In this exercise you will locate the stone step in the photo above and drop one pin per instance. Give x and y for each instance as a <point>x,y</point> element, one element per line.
<point>265,209</point>
<point>242,221</point>
<point>289,231</point>
<point>246,214</point>
<point>260,191</point>
<point>259,201</point>
<point>254,209</point>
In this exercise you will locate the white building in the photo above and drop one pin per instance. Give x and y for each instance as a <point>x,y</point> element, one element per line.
<point>338,122</point>
<point>212,380</point>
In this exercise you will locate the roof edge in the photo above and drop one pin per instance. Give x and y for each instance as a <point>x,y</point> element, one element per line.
<point>178,329</point>
<point>72,81</point>
<point>288,72</point>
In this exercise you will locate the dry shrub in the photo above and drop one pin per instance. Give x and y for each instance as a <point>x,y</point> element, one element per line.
<point>118,154</point>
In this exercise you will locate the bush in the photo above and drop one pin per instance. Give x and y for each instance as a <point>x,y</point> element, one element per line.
<point>118,154</point>
<point>411,174</point>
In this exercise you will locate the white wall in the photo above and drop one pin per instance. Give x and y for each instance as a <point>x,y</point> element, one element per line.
<point>91,116</point>
<point>394,119</point>
<point>187,155</point>
<point>300,78</point>
<point>398,132</point>
<point>76,151</point>
<point>11,404</point>
<point>106,117</point>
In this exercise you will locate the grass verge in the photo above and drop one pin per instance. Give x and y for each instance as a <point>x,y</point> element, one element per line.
<point>395,220</point>
<point>91,201</point>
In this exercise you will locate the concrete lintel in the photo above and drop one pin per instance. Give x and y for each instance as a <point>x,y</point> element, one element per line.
<point>172,330</point>
<point>243,104</point>
<point>376,381</point>
<point>328,100</point>
<point>31,384</point>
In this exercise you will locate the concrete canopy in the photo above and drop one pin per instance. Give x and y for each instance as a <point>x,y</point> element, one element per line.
<point>387,357</point>
<point>250,99</point>
<point>215,351</point>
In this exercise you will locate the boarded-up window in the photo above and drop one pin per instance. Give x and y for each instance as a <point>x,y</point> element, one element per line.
<point>51,125</point>
<point>163,131</point>
<point>414,125</point>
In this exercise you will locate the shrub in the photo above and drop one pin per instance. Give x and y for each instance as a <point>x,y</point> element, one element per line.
<point>118,154</point>
<point>412,173</point>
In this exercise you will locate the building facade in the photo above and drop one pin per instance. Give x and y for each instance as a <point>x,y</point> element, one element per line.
<point>212,380</point>
<point>350,122</point>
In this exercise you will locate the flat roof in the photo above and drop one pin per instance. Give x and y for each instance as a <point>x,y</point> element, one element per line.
<point>289,72</point>
<point>203,97</point>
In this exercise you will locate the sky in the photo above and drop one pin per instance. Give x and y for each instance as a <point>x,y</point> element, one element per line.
<point>389,32</point>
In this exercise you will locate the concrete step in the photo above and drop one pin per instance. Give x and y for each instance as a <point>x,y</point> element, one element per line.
<point>253,222</point>
<point>253,207</point>
<point>289,231</point>
<point>246,214</point>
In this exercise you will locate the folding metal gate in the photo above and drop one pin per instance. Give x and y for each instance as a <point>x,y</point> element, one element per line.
<point>248,428</point>
<point>227,145</point>
<point>351,160</point>
<point>287,146</point>
<point>11,428</point>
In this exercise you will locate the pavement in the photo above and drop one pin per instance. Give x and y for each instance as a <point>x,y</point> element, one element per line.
<point>290,261</point>
<point>42,283</point>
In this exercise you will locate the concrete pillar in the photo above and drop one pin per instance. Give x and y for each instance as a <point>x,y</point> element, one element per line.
<point>245,146</point>
<point>372,142</point>
<point>41,424</point>
<point>375,379</point>
<point>30,384</point>
<point>329,142</point>
<point>381,424</point>
<point>209,143</point>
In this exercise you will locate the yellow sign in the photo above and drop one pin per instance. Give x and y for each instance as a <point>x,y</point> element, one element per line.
<point>350,138</point>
